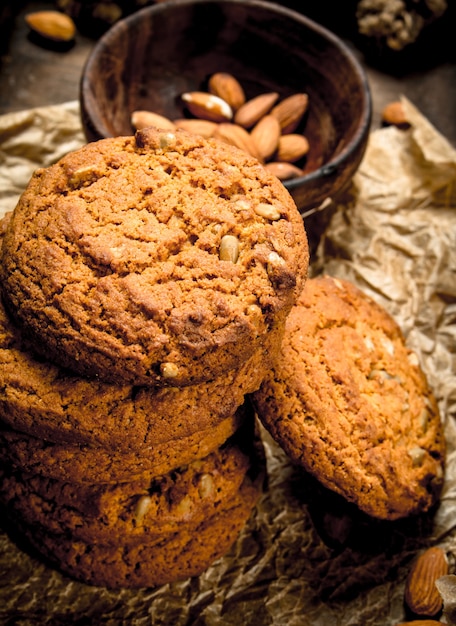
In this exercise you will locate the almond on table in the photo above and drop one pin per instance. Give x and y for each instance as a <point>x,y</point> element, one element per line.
<point>52,25</point>
<point>421,594</point>
<point>393,114</point>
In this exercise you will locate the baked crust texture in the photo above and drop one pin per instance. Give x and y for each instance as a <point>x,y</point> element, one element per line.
<point>160,259</point>
<point>349,402</point>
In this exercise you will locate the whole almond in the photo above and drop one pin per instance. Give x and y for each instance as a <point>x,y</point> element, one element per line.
<point>228,88</point>
<point>393,114</point>
<point>266,135</point>
<point>290,111</point>
<point>421,594</point>
<point>292,147</point>
<point>143,119</point>
<point>204,128</point>
<point>283,171</point>
<point>52,25</point>
<point>253,110</point>
<point>206,106</point>
<point>238,136</point>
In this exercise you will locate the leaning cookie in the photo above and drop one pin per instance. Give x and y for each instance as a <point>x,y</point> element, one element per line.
<point>159,259</point>
<point>349,402</point>
<point>133,512</point>
<point>90,464</point>
<point>40,399</point>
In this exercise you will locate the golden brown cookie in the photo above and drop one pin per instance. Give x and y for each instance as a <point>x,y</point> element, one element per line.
<point>159,259</point>
<point>349,402</point>
<point>48,402</point>
<point>145,510</point>
<point>177,556</point>
<point>142,534</point>
<point>90,464</point>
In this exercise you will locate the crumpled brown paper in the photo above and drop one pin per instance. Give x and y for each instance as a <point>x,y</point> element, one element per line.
<point>31,139</point>
<point>306,557</point>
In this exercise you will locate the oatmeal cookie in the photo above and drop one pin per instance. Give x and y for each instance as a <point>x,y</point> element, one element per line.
<point>159,259</point>
<point>349,402</point>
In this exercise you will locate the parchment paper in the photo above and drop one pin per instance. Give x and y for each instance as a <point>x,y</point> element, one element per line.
<point>305,557</point>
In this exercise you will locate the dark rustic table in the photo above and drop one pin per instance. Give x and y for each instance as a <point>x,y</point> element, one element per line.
<point>32,75</point>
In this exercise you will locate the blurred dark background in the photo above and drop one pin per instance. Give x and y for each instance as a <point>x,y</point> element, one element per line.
<point>423,70</point>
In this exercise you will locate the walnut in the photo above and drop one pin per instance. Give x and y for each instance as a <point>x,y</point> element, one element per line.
<point>397,23</point>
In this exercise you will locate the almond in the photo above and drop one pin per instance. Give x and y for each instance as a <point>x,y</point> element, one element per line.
<point>238,136</point>
<point>266,135</point>
<point>283,171</point>
<point>143,119</point>
<point>253,110</point>
<point>421,594</point>
<point>393,114</point>
<point>292,147</point>
<point>204,128</point>
<point>225,86</point>
<point>206,106</point>
<point>52,25</point>
<point>290,111</point>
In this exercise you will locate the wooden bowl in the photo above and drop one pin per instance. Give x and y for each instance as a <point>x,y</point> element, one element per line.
<point>149,59</point>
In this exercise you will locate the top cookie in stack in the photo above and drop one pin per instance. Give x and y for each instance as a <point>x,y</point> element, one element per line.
<point>160,259</point>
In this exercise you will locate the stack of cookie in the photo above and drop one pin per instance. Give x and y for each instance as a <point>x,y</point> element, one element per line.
<point>146,282</point>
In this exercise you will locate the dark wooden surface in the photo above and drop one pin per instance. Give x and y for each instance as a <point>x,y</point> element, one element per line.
<point>32,75</point>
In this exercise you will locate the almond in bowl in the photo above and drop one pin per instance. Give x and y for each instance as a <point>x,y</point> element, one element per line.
<point>147,61</point>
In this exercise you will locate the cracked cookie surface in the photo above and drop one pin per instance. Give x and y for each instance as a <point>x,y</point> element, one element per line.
<point>150,563</point>
<point>45,401</point>
<point>144,533</point>
<point>152,260</point>
<point>349,402</point>
<point>91,464</point>
<point>133,512</point>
